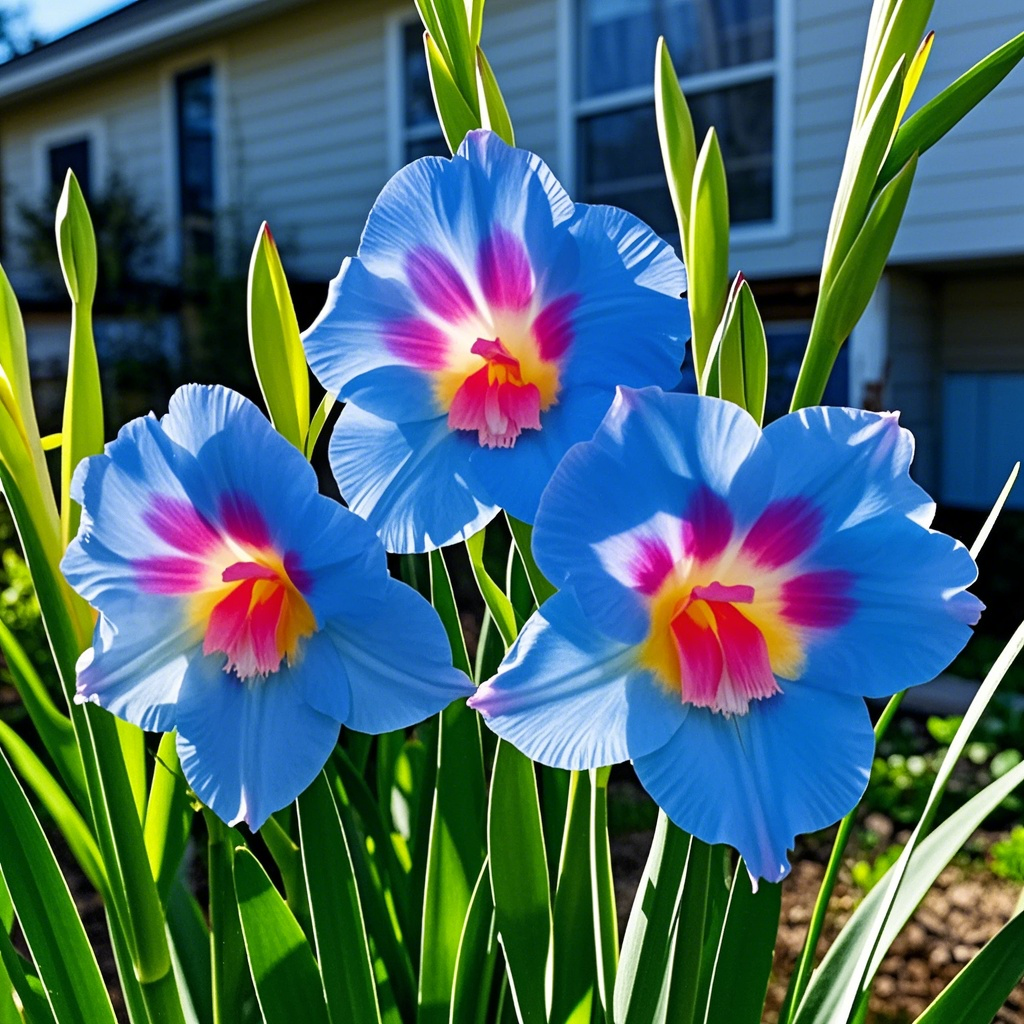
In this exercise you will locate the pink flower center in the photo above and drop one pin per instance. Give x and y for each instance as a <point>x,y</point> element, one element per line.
<point>723,657</point>
<point>495,401</point>
<point>260,621</point>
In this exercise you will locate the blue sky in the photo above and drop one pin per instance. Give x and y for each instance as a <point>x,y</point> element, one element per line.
<point>51,18</point>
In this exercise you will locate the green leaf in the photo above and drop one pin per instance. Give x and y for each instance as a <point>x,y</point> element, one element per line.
<point>284,851</point>
<point>274,342</point>
<point>892,38</point>
<point>54,729</point>
<point>519,881</point>
<point>443,599</point>
<point>76,243</point>
<point>456,116</point>
<point>169,815</point>
<point>494,113</point>
<point>339,930</point>
<point>283,969</point>
<point>854,956</point>
<point>316,425</point>
<point>606,933</point>
<point>373,858</point>
<point>494,597</point>
<point>707,245</point>
<point>454,858</point>
<point>847,296</point>
<point>915,69</point>
<point>574,956</point>
<point>49,921</point>
<point>690,966</point>
<point>743,353</point>
<point>57,804</point>
<point>978,992</point>
<point>647,943</point>
<point>522,535</point>
<point>678,144</point>
<point>454,28</point>
<point>83,403</point>
<point>478,954</point>
<point>745,951</point>
<point>868,146</point>
<point>190,952</point>
<point>30,993</point>
<point>924,128</point>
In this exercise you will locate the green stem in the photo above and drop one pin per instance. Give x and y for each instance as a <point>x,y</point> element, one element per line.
<point>802,974</point>
<point>227,955</point>
<point>819,358</point>
<point>689,946</point>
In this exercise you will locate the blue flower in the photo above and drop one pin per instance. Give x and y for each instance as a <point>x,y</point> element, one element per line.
<point>728,599</point>
<point>479,332</point>
<point>241,607</point>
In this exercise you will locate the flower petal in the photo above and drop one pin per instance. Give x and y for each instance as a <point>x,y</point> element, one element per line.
<point>568,697</point>
<point>249,749</point>
<point>135,667</point>
<point>651,458</point>
<point>629,287</point>
<point>411,482</point>
<point>910,612</point>
<point>399,665</point>
<point>371,343</point>
<point>852,464</point>
<point>793,764</point>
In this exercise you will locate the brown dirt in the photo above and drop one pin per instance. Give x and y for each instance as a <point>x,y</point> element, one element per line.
<point>965,908</point>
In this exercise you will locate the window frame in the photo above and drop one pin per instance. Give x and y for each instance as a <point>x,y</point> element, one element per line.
<point>92,130</point>
<point>573,108</point>
<point>216,60</point>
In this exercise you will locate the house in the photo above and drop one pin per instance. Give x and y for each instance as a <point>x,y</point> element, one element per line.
<point>222,113</point>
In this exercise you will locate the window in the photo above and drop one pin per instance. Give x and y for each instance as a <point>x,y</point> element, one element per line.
<point>421,133</point>
<point>73,155</point>
<point>725,56</point>
<point>194,105</point>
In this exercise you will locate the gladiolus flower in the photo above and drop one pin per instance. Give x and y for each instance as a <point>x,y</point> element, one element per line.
<point>729,598</point>
<point>479,332</point>
<point>240,607</point>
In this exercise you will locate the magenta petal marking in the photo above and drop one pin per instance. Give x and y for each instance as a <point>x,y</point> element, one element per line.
<point>243,519</point>
<point>700,660</point>
<point>720,592</point>
<point>652,562</point>
<point>417,342</point>
<point>747,663</point>
<point>438,285</point>
<point>248,571</point>
<point>819,599</point>
<point>228,626</point>
<point>784,531</point>
<point>503,268</point>
<point>707,526</point>
<point>553,327</point>
<point>169,574</point>
<point>179,524</point>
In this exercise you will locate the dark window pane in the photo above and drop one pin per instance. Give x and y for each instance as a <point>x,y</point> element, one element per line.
<point>620,161</point>
<point>74,156</point>
<point>617,38</point>
<point>195,141</point>
<point>419,100</point>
